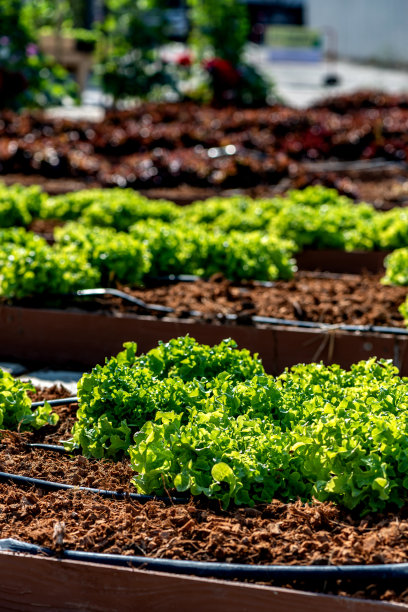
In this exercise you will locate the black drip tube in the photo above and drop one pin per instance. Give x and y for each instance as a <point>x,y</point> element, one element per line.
<point>124,296</point>
<point>56,402</point>
<point>50,447</point>
<point>48,485</point>
<point>279,574</point>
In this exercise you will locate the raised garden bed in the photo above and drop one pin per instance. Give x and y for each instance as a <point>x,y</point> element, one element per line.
<point>342,262</point>
<point>81,339</point>
<point>336,319</point>
<point>154,539</point>
<point>87,586</point>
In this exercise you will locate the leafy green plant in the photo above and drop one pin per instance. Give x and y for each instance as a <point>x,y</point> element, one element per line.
<point>121,208</point>
<point>209,421</point>
<point>116,255</point>
<point>27,77</point>
<point>240,255</point>
<point>318,217</point>
<point>18,204</point>
<point>175,248</point>
<point>15,405</point>
<point>29,266</point>
<point>396,268</point>
<point>324,433</point>
<point>235,213</point>
<point>181,247</point>
<point>69,206</point>
<point>392,227</point>
<point>116,399</point>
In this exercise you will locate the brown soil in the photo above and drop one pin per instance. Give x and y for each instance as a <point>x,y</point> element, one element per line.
<point>49,393</point>
<point>330,298</point>
<point>293,533</point>
<point>67,415</point>
<point>45,226</point>
<point>384,194</point>
<point>18,458</point>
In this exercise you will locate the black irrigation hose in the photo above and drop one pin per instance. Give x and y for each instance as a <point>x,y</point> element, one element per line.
<point>124,296</point>
<point>320,326</point>
<point>48,485</point>
<point>50,447</point>
<point>56,402</point>
<point>277,573</point>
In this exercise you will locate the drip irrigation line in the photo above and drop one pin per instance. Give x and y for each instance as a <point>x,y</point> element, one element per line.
<point>319,326</point>
<point>276,573</point>
<point>124,296</point>
<point>60,486</point>
<point>327,327</point>
<point>133,300</point>
<point>50,447</point>
<point>56,402</point>
<point>255,318</point>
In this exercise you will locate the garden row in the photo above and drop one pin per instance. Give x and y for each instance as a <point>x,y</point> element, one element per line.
<point>207,423</point>
<point>98,281</point>
<point>167,145</point>
<point>200,420</point>
<point>117,236</point>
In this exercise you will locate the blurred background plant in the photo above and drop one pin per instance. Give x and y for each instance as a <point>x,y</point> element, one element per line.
<point>219,33</point>
<point>137,49</point>
<point>136,60</point>
<point>71,18</point>
<point>28,78</point>
<point>129,63</point>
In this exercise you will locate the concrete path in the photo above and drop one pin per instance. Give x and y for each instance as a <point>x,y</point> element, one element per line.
<point>301,84</point>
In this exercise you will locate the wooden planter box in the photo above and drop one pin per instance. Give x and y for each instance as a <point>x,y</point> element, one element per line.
<point>78,339</point>
<point>29,582</point>
<point>342,262</point>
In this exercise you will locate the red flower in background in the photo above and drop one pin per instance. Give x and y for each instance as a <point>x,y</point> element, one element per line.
<point>223,70</point>
<point>184,59</point>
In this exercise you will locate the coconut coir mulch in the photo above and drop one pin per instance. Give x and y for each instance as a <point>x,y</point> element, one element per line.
<point>294,533</point>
